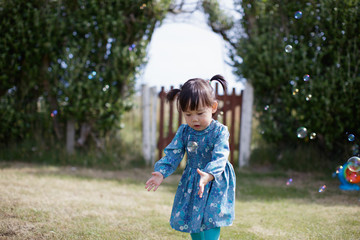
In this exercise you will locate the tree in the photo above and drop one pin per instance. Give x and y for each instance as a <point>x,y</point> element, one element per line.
<point>71,63</point>
<point>303,61</point>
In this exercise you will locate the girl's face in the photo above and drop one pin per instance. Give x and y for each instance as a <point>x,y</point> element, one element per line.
<point>200,118</point>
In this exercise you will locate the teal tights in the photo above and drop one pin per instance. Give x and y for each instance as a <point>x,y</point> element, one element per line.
<point>211,234</point>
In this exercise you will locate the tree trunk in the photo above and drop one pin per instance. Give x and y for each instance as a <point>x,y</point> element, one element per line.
<point>70,136</point>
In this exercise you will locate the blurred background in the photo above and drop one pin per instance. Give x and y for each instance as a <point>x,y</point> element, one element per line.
<point>71,72</point>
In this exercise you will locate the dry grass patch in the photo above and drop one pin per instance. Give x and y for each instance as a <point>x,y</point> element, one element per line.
<point>40,202</point>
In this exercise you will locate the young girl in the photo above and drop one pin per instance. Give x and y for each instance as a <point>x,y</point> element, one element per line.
<point>205,197</point>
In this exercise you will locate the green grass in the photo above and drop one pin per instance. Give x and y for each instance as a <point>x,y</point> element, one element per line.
<point>45,202</point>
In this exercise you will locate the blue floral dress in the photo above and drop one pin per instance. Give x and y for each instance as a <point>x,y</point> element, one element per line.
<point>207,150</point>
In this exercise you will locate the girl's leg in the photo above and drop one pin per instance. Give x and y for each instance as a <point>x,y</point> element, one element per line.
<point>197,236</point>
<point>212,234</point>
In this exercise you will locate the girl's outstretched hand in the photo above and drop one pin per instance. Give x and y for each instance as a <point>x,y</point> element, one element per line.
<point>204,179</point>
<point>154,181</point>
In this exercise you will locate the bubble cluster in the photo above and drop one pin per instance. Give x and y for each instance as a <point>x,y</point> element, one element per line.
<point>192,146</point>
<point>266,107</point>
<point>301,132</point>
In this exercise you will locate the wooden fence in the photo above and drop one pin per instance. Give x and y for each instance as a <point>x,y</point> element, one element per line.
<point>229,113</point>
<point>160,125</point>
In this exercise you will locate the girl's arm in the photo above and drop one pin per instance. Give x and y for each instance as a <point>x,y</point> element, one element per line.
<point>174,153</point>
<point>220,154</point>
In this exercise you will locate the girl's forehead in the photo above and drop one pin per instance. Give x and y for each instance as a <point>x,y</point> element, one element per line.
<point>198,109</point>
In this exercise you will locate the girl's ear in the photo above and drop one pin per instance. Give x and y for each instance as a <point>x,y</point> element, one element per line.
<point>214,107</point>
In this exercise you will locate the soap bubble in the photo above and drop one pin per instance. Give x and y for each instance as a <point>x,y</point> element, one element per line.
<point>306,77</point>
<point>312,135</point>
<point>266,107</point>
<point>308,97</point>
<point>338,169</point>
<point>354,164</point>
<point>322,188</point>
<point>298,15</point>
<point>355,149</point>
<point>351,137</point>
<point>192,146</point>
<point>288,48</point>
<point>289,181</point>
<point>301,132</point>
<point>54,113</point>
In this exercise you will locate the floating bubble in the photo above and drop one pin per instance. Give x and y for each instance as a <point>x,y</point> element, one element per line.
<point>298,15</point>
<point>355,149</point>
<point>105,88</point>
<point>192,146</point>
<point>308,97</point>
<point>306,77</point>
<point>322,188</point>
<point>312,136</point>
<point>289,181</point>
<point>266,107</point>
<point>354,164</point>
<point>288,48</point>
<point>296,91</point>
<point>132,47</point>
<point>54,113</point>
<point>143,6</point>
<point>338,169</point>
<point>351,137</point>
<point>301,132</point>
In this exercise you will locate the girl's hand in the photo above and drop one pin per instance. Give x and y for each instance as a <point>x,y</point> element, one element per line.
<point>154,181</point>
<point>204,179</point>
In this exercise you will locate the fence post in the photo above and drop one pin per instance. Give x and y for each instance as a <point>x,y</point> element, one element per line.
<point>246,124</point>
<point>153,139</point>
<point>146,123</point>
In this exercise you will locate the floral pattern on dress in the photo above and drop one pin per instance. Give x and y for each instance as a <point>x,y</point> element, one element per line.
<point>191,213</point>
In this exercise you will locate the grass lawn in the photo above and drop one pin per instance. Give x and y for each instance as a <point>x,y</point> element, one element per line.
<point>43,202</point>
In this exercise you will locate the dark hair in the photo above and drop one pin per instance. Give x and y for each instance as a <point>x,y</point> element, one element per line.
<point>196,92</point>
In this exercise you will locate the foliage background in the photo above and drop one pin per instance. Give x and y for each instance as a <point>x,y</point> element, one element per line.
<point>325,44</point>
<point>70,66</point>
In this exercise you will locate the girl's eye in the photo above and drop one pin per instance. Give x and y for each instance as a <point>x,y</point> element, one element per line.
<point>200,113</point>
<point>188,114</point>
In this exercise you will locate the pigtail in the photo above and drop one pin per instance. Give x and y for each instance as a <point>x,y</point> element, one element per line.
<point>221,80</point>
<point>170,96</point>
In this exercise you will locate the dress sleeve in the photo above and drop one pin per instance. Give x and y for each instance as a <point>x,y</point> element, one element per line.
<point>174,153</point>
<point>220,154</point>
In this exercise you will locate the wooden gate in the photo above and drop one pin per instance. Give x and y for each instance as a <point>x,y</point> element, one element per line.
<point>229,113</point>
